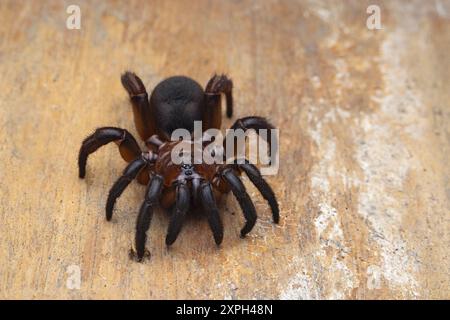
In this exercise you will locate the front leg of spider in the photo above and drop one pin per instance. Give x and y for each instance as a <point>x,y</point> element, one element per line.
<point>179,213</point>
<point>146,213</point>
<point>211,211</point>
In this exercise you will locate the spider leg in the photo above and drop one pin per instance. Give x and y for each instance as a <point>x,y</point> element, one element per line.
<point>195,190</point>
<point>143,116</point>
<point>212,111</point>
<point>263,187</point>
<point>222,84</point>
<point>181,208</point>
<point>154,142</point>
<point>128,147</point>
<point>246,204</point>
<point>130,172</point>
<point>255,123</point>
<point>210,207</point>
<point>146,212</point>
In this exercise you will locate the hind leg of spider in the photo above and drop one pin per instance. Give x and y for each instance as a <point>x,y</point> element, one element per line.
<point>263,187</point>
<point>143,116</point>
<point>146,212</point>
<point>128,147</point>
<point>221,85</point>
<point>130,173</point>
<point>241,195</point>
<point>179,213</point>
<point>212,113</point>
<point>210,208</point>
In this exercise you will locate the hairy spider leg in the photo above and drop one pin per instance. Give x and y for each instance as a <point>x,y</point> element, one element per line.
<point>210,208</point>
<point>144,117</point>
<point>212,115</point>
<point>241,195</point>
<point>179,213</point>
<point>253,123</point>
<point>128,147</point>
<point>146,212</point>
<point>222,85</point>
<point>128,175</point>
<point>263,187</point>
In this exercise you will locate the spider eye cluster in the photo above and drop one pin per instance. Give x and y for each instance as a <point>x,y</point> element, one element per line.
<point>188,169</point>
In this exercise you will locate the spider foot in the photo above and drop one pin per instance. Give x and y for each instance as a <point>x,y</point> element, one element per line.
<point>219,84</point>
<point>132,254</point>
<point>133,84</point>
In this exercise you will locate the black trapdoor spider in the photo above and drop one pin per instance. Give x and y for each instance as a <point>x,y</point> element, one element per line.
<point>176,103</point>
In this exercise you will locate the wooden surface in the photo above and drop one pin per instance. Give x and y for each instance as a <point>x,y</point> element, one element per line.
<point>364,167</point>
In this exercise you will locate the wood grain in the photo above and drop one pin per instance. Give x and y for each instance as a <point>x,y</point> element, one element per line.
<point>364,177</point>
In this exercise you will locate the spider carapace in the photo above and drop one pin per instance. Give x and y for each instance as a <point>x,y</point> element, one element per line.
<point>176,103</point>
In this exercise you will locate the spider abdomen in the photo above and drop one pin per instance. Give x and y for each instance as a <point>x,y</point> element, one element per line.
<point>177,102</point>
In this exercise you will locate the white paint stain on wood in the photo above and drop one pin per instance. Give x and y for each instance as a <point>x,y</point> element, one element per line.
<point>300,287</point>
<point>386,162</point>
<point>332,250</point>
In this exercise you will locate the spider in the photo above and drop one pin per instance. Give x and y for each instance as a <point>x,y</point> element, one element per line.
<point>177,102</point>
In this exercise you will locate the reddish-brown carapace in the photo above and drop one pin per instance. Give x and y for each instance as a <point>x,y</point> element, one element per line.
<point>176,103</point>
